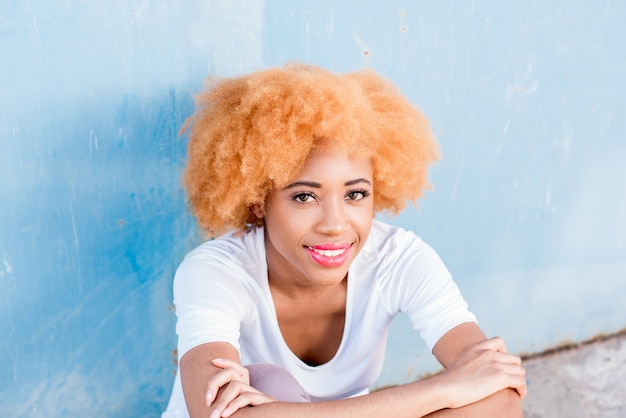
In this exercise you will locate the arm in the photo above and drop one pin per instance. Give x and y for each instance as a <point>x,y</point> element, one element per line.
<point>504,403</point>
<point>200,375</point>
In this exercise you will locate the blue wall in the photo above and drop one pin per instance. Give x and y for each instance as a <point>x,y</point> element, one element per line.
<point>529,210</point>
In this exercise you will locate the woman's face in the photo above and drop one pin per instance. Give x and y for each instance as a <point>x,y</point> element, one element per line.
<point>316,225</point>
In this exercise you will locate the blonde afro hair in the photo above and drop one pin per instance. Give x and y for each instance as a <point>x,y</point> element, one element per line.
<point>252,134</point>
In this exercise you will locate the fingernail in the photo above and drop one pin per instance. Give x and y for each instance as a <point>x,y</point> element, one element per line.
<point>215,414</point>
<point>209,398</point>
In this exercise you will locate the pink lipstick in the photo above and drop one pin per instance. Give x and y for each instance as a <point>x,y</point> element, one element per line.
<point>329,255</point>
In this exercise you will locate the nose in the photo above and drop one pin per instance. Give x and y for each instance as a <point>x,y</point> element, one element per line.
<point>334,219</point>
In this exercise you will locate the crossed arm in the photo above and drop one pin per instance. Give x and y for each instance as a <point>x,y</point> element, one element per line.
<point>503,403</point>
<point>480,380</point>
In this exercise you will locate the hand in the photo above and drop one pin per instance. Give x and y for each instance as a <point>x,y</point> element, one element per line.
<point>482,370</point>
<point>235,393</point>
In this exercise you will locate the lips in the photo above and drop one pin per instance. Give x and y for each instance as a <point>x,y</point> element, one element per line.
<point>329,255</point>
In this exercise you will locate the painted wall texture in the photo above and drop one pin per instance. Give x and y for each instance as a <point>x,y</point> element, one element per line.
<point>527,100</point>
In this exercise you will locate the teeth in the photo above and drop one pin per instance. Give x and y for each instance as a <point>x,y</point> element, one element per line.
<point>328,253</point>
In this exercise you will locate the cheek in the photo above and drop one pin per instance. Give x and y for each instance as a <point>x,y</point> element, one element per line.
<point>363,213</point>
<point>364,219</point>
<point>295,225</point>
<point>366,224</point>
<point>286,227</point>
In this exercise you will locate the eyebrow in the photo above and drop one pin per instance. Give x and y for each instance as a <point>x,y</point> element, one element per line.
<point>319,186</point>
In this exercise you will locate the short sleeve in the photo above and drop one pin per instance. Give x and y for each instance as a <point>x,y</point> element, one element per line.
<point>209,302</point>
<point>423,288</point>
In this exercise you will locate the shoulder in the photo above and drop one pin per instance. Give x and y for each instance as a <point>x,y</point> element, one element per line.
<point>388,242</point>
<point>395,255</point>
<point>242,249</point>
<point>228,259</point>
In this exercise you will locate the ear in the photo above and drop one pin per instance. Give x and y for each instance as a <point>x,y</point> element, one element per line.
<point>257,210</point>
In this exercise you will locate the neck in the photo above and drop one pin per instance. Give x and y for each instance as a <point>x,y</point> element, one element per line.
<point>297,291</point>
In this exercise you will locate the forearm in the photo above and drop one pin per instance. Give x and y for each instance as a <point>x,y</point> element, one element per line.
<point>411,401</point>
<point>505,403</point>
<point>479,373</point>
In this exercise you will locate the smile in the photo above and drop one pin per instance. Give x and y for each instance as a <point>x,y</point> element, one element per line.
<point>329,256</point>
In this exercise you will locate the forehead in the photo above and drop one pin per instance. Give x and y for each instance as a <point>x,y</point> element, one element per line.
<point>324,163</point>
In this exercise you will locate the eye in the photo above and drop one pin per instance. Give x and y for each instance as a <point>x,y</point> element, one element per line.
<point>303,197</point>
<point>357,194</point>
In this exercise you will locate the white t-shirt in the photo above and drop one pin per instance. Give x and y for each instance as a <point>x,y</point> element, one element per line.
<point>221,294</point>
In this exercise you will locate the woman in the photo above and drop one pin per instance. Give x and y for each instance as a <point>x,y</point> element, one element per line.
<point>288,315</point>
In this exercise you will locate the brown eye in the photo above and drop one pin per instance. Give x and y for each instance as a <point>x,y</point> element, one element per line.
<point>303,197</point>
<point>356,195</point>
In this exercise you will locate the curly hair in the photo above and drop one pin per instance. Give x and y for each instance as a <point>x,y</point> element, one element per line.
<point>251,134</point>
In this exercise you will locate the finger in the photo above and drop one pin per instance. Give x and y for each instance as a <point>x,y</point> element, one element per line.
<point>246,399</point>
<point>486,357</point>
<point>487,352</point>
<point>512,369</point>
<point>230,393</point>
<point>218,380</point>
<point>507,358</point>
<point>522,390</point>
<point>225,363</point>
<point>222,400</point>
<point>514,377</point>
<point>519,386</point>
<point>495,343</point>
